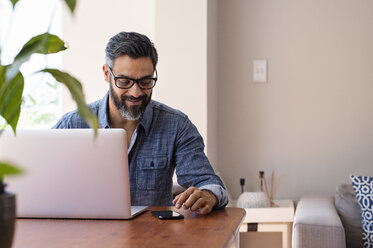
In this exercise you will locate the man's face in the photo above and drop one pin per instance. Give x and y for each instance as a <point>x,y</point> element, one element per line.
<point>130,103</point>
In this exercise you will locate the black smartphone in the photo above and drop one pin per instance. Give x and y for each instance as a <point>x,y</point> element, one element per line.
<point>167,215</point>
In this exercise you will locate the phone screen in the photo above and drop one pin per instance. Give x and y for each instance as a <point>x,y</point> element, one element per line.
<point>167,215</point>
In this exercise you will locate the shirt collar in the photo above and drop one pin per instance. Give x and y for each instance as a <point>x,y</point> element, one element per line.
<point>103,112</point>
<point>103,115</point>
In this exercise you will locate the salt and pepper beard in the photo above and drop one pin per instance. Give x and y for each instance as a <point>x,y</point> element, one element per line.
<point>131,113</point>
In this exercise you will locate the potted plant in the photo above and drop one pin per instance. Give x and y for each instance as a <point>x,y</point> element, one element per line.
<point>11,89</point>
<point>7,206</point>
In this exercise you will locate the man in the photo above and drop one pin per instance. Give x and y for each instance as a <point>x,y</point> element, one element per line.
<point>160,138</point>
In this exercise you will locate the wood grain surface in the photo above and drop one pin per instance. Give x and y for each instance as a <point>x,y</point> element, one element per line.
<point>217,229</point>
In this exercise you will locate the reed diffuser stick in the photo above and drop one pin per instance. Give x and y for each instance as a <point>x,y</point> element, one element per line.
<point>265,186</point>
<point>277,184</point>
<point>272,182</point>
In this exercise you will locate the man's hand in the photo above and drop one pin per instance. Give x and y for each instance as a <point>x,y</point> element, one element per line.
<point>200,201</point>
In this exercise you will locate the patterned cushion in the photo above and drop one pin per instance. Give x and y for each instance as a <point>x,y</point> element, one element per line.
<point>363,187</point>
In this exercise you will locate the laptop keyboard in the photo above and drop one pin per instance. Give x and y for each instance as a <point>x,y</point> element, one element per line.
<point>136,209</point>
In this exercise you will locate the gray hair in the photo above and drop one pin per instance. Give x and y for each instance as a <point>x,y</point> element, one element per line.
<point>133,44</point>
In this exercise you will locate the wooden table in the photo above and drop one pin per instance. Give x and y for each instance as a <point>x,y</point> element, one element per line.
<point>218,229</point>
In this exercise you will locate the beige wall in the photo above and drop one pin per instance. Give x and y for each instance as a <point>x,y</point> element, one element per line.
<point>313,121</point>
<point>181,39</point>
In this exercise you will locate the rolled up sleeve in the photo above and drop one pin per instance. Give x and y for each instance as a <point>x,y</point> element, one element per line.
<point>192,165</point>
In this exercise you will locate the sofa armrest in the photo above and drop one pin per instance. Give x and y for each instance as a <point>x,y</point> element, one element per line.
<point>317,224</point>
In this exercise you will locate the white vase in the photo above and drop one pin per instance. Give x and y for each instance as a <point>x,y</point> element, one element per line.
<point>253,200</point>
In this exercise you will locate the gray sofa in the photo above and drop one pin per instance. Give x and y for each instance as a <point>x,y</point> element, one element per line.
<point>330,222</point>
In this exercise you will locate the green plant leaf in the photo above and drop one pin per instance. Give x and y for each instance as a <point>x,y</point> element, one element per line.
<point>43,44</point>
<point>32,100</point>
<point>71,4</point>
<point>7,168</point>
<point>52,85</point>
<point>76,91</point>
<point>2,74</point>
<point>11,97</point>
<point>14,2</point>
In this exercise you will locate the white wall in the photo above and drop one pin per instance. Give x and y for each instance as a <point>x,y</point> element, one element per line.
<point>313,121</point>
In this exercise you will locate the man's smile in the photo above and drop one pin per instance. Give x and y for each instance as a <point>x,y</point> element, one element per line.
<point>133,101</point>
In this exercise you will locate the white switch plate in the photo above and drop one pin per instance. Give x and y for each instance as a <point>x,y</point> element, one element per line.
<point>260,71</point>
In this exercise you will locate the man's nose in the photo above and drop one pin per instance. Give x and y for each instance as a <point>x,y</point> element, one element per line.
<point>135,90</point>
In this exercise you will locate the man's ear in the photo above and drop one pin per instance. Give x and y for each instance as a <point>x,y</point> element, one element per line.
<point>107,75</point>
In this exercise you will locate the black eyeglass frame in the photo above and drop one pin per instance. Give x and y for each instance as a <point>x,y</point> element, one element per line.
<point>137,81</point>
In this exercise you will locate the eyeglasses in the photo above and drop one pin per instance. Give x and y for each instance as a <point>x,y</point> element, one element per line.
<point>145,83</point>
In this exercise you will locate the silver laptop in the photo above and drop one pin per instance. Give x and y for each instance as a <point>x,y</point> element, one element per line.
<point>69,174</point>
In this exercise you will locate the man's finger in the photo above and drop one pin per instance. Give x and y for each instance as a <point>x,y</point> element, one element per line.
<point>184,196</point>
<point>205,203</point>
<point>192,199</point>
<point>204,210</point>
<point>201,202</point>
<point>176,198</point>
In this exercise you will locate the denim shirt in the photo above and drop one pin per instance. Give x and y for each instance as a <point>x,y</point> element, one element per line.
<point>164,140</point>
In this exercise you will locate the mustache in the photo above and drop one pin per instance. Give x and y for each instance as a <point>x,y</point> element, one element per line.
<point>132,98</point>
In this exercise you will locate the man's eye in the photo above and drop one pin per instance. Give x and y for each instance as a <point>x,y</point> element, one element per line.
<point>124,82</point>
<point>146,81</point>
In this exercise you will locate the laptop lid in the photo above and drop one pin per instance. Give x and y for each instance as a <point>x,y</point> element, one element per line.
<point>68,173</point>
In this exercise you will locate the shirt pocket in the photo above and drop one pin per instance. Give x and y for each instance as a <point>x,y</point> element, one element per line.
<point>150,172</point>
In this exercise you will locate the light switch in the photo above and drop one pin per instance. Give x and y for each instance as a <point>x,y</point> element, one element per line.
<point>260,71</point>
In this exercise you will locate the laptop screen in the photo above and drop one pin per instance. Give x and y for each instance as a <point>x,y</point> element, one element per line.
<point>68,173</point>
